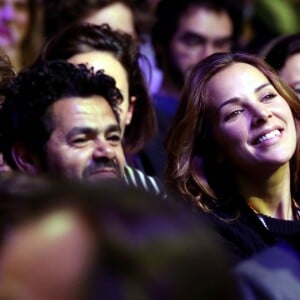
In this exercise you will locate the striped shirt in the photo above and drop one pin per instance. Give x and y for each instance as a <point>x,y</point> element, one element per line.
<point>136,178</point>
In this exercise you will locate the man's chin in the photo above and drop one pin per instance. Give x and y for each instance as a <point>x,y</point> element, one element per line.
<point>103,175</point>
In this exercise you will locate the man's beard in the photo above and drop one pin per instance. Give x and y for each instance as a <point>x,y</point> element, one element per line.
<point>103,167</point>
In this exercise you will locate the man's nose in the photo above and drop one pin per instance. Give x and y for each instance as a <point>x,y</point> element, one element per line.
<point>208,49</point>
<point>103,149</point>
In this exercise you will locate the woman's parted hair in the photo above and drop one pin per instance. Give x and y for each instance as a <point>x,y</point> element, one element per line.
<point>189,144</point>
<point>83,38</point>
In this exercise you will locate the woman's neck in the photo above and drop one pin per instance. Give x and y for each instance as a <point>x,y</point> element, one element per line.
<point>269,194</point>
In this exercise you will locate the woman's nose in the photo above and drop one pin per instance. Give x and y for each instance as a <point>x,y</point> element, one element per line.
<point>260,115</point>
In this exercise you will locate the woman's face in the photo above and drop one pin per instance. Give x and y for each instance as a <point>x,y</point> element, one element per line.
<point>14,22</point>
<point>117,15</point>
<point>291,72</point>
<point>102,60</point>
<point>252,125</point>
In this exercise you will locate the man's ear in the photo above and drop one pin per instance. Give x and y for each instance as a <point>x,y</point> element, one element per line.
<point>131,106</point>
<point>25,160</point>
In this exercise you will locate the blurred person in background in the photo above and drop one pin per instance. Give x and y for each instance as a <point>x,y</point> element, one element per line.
<point>84,242</point>
<point>20,35</point>
<point>7,74</point>
<point>130,16</point>
<point>267,20</point>
<point>283,54</point>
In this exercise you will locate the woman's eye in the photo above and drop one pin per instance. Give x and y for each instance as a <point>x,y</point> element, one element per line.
<point>268,96</point>
<point>233,114</point>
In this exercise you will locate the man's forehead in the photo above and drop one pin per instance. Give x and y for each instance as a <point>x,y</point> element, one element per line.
<point>80,109</point>
<point>203,37</point>
<point>94,104</point>
<point>206,21</point>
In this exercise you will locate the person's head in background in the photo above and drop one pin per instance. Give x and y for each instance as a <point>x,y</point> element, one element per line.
<point>19,30</point>
<point>283,54</point>
<point>118,55</point>
<point>7,74</point>
<point>63,119</point>
<point>134,17</point>
<point>119,14</point>
<point>107,241</point>
<point>187,31</point>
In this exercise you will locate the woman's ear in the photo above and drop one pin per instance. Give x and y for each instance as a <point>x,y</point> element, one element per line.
<point>130,112</point>
<point>25,160</point>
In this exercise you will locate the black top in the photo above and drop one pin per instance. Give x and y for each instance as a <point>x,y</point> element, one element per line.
<point>250,233</point>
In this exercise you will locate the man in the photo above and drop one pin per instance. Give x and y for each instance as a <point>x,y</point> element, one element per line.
<point>187,31</point>
<point>63,119</point>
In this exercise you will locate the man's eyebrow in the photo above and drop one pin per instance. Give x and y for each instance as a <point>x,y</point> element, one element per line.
<point>113,127</point>
<point>189,33</point>
<point>236,99</point>
<point>81,130</point>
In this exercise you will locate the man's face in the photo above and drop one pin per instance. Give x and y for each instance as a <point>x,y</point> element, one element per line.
<point>200,33</point>
<point>85,142</point>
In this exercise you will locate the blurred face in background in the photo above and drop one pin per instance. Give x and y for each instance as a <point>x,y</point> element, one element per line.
<point>290,72</point>
<point>102,60</point>
<point>46,258</point>
<point>200,33</point>
<point>14,22</point>
<point>117,15</point>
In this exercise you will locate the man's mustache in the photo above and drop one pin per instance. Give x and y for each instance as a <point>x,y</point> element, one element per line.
<point>100,164</point>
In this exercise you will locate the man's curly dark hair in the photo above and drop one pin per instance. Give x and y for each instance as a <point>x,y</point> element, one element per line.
<point>24,115</point>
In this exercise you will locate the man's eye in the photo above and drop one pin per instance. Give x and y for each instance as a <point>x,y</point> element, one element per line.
<point>191,39</point>
<point>79,141</point>
<point>114,138</point>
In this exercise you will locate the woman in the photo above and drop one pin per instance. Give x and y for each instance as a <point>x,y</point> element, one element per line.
<point>283,54</point>
<point>233,151</point>
<point>19,35</point>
